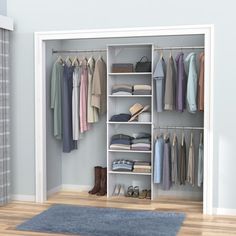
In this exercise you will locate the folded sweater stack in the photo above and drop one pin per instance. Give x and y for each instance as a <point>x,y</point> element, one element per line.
<point>141,142</point>
<point>122,89</point>
<point>142,89</point>
<point>120,142</point>
<point>122,165</point>
<point>142,167</point>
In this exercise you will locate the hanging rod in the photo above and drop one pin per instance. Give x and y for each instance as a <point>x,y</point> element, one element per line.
<point>78,51</point>
<point>179,48</point>
<point>180,127</point>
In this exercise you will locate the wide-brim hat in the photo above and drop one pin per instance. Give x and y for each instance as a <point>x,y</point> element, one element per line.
<point>136,110</point>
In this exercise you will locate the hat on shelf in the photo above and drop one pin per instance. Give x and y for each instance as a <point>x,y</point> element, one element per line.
<point>136,110</point>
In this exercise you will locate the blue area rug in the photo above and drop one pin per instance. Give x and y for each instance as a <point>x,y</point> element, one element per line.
<point>94,221</point>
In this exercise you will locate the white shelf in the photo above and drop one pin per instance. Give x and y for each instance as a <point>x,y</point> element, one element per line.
<point>127,173</point>
<point>132,73</point>
<point>130,96</point>
<point>129,151</point>
<point>130,123</point>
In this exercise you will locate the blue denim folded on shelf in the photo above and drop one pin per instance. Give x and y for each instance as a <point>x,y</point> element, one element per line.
<point>122,117</point>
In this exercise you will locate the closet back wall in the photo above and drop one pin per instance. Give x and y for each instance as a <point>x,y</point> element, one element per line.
<point>30,16</point>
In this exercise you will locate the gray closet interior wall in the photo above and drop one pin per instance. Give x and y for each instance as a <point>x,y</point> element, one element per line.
<point>76,168</point>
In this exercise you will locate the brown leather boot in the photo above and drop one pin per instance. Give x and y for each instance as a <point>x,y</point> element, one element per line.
<point>97,181</point>
<point>103,188</point>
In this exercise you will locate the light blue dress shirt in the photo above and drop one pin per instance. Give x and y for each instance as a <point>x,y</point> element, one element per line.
<point>191,95</point>
<point>158,160</point>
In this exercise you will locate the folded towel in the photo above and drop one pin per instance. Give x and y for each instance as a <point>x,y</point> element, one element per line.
<point>141,92</point>
<point>127,86</point>
<point>122,93</point>
<point>142,87</point>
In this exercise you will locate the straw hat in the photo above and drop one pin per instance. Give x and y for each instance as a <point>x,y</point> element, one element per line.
<point>136,110</point>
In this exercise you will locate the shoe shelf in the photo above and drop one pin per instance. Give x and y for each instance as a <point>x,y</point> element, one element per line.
<point>127,53</point>
<point>128,173</point>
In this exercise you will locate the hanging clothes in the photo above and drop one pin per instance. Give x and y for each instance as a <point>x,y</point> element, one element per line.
<point>170,85</point>
<point>191,69</point>
<point>76,103</point>
<point>191,163</point>
<point>159,77</point>
<point>158,161</point>
<point>56,80</point>
<point>201,82</point>
<point>182,162</point>
<point>92,111</point>
<point>200,162</point>
<point>174,160</point>
<point>67,85</point>
<point>181,82</point>
<point>84,126</point>
<point>166,174</point>
<point>99,86</point>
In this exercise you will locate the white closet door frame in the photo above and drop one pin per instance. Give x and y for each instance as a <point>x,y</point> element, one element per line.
<point>40,94</point>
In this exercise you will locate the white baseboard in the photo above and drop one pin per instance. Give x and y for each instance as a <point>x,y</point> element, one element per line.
<point>54,190</point>
<point>74,187</point>
<point>224,211</point>
<point>23,198</point>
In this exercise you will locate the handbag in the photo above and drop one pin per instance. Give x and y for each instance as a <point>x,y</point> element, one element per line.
<point>143,66</point>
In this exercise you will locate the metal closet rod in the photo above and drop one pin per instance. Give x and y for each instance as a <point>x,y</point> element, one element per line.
<point>105,50</point>
<point>181,127</point>
<point>179,48</point>
<point>77,51</point>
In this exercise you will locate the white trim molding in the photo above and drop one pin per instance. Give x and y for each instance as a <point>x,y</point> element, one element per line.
<point>224,211</point>
<point>77,188</point>
<point>23,198</point>
<point>54,190</point>
<point>6,23</point>
<point>40,94</point>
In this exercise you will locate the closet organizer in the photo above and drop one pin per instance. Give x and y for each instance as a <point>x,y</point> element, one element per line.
<point>152,133</point>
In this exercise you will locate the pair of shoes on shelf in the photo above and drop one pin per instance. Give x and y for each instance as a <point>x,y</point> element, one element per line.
<point>145,194</point>
<point>119,190</point>
<point>132,192</point>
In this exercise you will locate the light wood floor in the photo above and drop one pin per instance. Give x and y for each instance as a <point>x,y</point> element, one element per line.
<point>194,224</point>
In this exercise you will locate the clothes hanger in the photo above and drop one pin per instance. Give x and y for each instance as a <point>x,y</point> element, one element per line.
<point>60,60</point>
<point>191,139</point>
<point>170,53</point>
<point>182,139</point>
<point>76,60</point>
<point>68,59</point>
<point>161,54</point>
<point>201,138</point>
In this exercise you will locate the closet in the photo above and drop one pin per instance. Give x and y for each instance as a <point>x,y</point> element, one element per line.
<point>74,170</point>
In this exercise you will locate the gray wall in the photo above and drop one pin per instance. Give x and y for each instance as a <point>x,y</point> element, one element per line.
<point>30,16</point>
<point>3,7</point>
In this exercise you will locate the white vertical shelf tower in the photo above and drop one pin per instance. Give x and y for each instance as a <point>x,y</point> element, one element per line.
<point>128,53</point>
